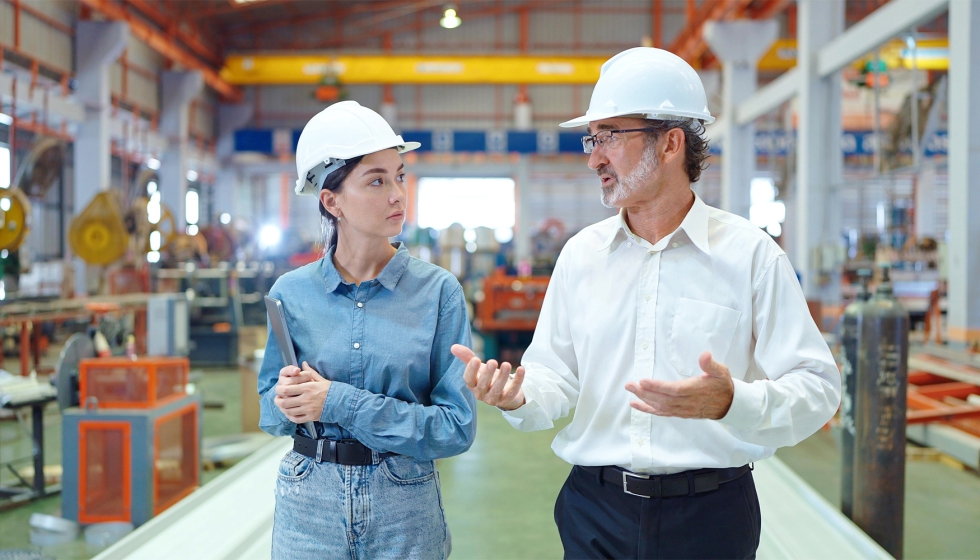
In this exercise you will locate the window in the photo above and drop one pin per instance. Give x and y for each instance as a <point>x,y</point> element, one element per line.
<point>471,202</point>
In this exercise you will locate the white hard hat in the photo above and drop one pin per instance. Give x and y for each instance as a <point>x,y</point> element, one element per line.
<point>336,134</point>
<point>648,82</point>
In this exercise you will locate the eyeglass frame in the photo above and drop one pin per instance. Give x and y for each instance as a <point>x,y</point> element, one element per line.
<point>595,141</point>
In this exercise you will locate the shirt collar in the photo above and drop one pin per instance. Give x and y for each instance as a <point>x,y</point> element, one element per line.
<point>388,278</point>
<point>695,225</point>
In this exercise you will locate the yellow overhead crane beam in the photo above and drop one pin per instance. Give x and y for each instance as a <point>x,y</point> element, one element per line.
<point>422,69</point>
<point>266,69</point>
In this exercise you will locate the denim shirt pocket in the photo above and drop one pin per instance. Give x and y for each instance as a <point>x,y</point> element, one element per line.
<point>700,326</point>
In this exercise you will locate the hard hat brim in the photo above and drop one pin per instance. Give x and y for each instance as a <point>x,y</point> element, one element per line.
<point>586,119</point>
<point>408,147</point>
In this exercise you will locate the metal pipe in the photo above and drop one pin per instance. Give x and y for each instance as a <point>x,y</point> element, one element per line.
<point>876,158</point>
<point>914,98</point>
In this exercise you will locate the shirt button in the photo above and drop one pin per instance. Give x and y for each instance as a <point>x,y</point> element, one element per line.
<point>630,244</point>
<point>641,442</point>
<point>647,297</point>
<point>673,245</point>
<point>357,345</point>
<point>359,304</point>
<point>645,345</point>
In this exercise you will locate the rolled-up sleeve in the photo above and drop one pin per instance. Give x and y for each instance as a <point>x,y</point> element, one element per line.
<point>550,382</point>
<point>443,428</point>
<point>802,389</point>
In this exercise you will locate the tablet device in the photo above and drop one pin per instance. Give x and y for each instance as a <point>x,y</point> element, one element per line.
<point>277,317</point>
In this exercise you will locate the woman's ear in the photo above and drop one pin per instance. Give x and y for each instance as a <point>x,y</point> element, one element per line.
<point>329,201</point>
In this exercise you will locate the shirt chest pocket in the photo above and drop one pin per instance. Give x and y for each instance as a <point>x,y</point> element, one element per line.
<point>699,326</point>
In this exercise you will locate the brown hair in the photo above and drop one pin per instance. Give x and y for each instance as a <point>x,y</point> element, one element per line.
<point>695,144</point>
<point>334,182</point>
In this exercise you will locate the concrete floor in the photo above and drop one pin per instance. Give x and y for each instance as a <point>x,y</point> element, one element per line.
<point>517,478</point>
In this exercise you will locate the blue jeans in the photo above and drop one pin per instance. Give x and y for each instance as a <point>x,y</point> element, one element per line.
<point>390,509</point>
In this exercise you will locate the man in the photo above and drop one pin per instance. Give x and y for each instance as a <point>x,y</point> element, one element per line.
<point>677,332</point>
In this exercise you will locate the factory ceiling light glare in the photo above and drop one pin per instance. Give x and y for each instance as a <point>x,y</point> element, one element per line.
<point>6,119</point>
<point>450,19</point>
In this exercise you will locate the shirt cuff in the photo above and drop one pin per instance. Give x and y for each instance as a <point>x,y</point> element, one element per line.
<point>338,407</point>
<point>748,402</point>
<point>530,416</point>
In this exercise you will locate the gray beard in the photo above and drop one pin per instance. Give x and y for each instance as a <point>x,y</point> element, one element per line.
<point>632,182</point>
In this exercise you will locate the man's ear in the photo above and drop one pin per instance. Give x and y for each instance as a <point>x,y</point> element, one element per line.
<point>329,201</point>
<point>672,144</point>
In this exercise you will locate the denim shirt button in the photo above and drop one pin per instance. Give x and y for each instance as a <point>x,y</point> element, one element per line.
<point>360,304</point>
<point>357,345</point>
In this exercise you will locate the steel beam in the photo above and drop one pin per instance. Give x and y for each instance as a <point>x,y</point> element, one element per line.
<point>166,46</point>
<point>964,172</point>
<point>881,26</point>
<point>774,94</point>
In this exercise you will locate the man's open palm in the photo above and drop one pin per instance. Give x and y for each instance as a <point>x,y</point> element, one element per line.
<point>489,383</point>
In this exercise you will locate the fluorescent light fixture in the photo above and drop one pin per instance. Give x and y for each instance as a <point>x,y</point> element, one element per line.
<point>192,209</point>
<point>151,187</point>
<point>6,119</point>
<point>269,236</point>
<point>192,229</point>
<point>4,167</point>
<point>503,234</point>
<point>153,257</point>
<point>450,19</point>
<point>153,209</point>
<point>153,163</point>
<point>155,240</point>
<point>191,175</point>
<point>225,218</point>
<point>5,204</point>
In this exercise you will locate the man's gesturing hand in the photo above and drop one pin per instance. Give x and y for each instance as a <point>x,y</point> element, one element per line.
<point>708,395</point>
<point>489,384</point>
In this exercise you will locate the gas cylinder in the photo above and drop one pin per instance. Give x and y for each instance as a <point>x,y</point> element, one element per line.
<point>850,341</point>
<point>879,419</point>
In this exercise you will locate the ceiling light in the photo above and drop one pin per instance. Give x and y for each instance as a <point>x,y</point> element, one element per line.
<point>450,20</point>
<point>6,119</point>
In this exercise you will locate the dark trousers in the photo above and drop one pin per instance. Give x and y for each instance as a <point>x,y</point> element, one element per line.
<point>598,520</point>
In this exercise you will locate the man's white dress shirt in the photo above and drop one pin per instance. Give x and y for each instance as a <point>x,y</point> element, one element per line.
<point>620,309</point>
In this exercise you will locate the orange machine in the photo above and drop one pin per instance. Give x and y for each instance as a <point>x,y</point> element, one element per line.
<point>133,449</point>
<point>510,303</point>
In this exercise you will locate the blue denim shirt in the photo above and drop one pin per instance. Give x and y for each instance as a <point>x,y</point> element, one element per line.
<point>384,345</point>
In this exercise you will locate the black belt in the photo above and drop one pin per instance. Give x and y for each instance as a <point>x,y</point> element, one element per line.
<point>667,486</point>
<point>344,452</point>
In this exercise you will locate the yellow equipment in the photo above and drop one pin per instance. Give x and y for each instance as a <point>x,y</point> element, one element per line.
<point>15,215</point>
<point>98,235</point>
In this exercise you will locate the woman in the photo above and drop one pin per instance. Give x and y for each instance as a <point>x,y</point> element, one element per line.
<point>372,328</point>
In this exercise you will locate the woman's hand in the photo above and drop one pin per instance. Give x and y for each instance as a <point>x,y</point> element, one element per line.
<point>300,393</point>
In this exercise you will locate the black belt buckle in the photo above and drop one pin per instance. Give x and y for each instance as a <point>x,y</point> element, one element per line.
<point>626,486</point>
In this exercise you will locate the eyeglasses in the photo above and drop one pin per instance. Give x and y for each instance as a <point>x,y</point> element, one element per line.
<point>608,138</point>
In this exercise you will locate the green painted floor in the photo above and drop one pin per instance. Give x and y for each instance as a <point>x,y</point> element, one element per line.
<point>499,496</point>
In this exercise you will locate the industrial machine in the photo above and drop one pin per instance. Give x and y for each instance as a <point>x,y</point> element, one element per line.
<point>133,448</point>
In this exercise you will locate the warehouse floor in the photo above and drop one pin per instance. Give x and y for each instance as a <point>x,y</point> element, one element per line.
<point>517,478</point>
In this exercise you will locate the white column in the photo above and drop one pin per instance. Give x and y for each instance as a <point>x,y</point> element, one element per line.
<point>739,45</point>
<point>819,156</point>
<point>522,231</point>
<point>228,180</point>
<point>177,90</point>
<point>964,172</point>
<point>97,46</point>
